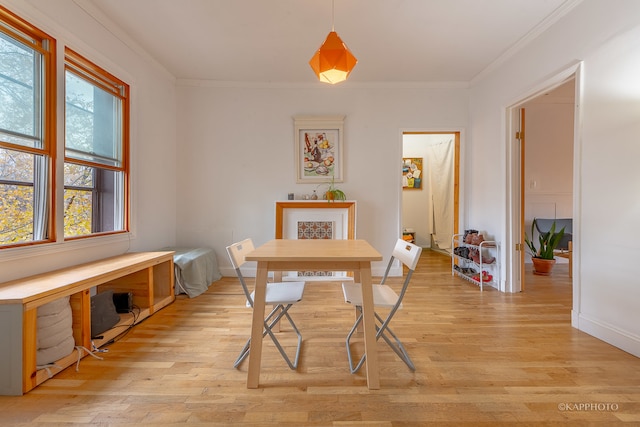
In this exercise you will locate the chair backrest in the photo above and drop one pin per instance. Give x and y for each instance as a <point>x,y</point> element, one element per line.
<point>408,254</point>
<point>237,253</point>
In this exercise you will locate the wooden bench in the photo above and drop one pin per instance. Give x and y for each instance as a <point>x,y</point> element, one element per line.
<point>149,276</point>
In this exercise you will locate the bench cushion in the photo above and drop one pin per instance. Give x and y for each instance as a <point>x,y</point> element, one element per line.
<point>55,331</point>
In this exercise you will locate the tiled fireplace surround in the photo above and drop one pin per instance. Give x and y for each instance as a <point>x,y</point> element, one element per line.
<point>315,220</point>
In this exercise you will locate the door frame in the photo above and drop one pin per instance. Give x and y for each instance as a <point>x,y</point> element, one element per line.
<point>458,135</point>
<point>514,245</point>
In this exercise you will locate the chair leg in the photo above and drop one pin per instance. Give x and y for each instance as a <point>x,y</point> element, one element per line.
<point>245,350</point>
<point>276,327</point>
<point>270,321</point>
<point>357,312</point>
<point>243,354</point>
<point>396,346</point>
<point>285,313</point>
<point>357,367</point>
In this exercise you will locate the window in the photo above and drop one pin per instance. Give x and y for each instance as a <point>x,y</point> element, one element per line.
<point>96,145</point>
<point>96,149</point>
<point>27,132</point>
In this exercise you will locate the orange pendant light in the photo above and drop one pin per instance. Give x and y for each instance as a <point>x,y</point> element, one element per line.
<point>333,62</point>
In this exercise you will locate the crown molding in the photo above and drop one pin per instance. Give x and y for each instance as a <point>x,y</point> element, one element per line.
<point>543,26</point>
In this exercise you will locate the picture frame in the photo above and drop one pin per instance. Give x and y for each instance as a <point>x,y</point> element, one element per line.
<point>319,147</point>
<point>412,173</point>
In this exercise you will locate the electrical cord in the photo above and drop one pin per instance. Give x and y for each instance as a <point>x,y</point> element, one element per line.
<point>135,312</point>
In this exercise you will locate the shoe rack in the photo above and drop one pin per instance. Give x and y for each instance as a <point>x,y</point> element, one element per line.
<point>476,262</point>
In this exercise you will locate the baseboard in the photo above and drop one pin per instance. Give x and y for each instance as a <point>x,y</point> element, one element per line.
<point>608,333</point>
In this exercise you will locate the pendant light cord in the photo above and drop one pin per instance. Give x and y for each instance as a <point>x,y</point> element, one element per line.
<point>333,14</point>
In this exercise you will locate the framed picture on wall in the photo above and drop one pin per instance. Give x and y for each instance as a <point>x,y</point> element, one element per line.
<point>412,173</point>
<point>318,148</point>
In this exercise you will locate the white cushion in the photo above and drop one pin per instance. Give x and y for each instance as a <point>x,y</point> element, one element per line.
<point>53,307</point>
<point>49,355</point>
<point>54,333</point>
<point>50,334</point>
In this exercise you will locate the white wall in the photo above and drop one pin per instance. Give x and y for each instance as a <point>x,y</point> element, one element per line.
<point>606,36</point>
<point>235,155</point>
<point>153,141</point>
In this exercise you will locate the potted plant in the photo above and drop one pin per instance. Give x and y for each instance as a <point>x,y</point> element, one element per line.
<point>542,256</point>
<point>333,193</point>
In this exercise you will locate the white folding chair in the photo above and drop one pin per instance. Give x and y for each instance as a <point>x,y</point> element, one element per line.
<point>385,297</point>
<point>281,295</point>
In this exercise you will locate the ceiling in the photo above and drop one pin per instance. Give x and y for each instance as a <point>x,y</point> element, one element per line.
<point>403,41</point>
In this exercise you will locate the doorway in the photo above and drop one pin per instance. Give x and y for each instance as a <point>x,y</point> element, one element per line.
<point>542,155</point>
<point>430,188</point>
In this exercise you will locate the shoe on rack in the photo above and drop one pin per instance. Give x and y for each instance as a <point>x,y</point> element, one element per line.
<point>466,233</point>
<point>477,239</point>
<point>486,277</point>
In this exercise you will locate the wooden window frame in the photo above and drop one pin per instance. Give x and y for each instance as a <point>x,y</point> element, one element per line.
<point>19,29</point>
<point>101,78</point>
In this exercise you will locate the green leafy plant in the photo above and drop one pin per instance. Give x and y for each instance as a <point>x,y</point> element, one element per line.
<point>548,242</point>
<point>333,193</point>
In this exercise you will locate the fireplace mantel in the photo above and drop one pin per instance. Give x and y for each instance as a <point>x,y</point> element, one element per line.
<point>315,219</point>
<point>287,211</point>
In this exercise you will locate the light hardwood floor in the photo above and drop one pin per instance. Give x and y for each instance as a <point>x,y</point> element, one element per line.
<point>482,359</point>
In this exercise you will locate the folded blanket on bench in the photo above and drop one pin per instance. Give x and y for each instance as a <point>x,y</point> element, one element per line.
<point>196,269</point>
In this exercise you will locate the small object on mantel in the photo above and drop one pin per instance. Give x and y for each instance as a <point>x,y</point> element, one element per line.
<point>409,235</point>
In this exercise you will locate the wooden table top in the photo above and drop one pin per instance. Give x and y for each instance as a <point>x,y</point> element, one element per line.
<point>315,250</point>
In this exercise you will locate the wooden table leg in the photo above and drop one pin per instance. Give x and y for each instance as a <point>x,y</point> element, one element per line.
<point>277,278</point>
<point>257,325</point>
<point>373,375</point>
<point>356,312</point>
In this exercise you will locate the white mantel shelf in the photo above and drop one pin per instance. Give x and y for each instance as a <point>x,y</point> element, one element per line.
<point>285,207</point>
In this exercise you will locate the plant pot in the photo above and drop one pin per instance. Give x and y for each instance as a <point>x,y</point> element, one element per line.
<point>330,195</point>
<point>542,267</point>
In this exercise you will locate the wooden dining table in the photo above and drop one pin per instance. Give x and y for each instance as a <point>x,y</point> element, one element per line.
<point>315,255</point>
